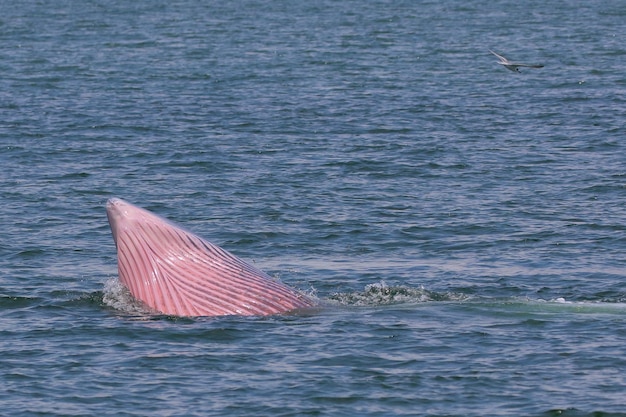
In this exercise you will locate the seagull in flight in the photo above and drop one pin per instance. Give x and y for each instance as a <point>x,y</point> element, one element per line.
<point>513,66</point>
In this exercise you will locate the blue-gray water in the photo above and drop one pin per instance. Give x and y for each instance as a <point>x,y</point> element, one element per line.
<point>464,225</point>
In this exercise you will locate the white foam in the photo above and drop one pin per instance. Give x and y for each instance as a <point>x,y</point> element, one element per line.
<point>116,296</point>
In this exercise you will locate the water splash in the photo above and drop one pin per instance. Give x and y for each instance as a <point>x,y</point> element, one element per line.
<point>382,294</point>
<point>117,296</point>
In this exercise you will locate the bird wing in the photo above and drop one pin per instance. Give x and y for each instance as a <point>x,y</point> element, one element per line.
<point>502,59</point>
<point>507,63</point>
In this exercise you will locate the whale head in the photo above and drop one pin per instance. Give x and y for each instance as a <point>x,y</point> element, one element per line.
<point>175,272</point>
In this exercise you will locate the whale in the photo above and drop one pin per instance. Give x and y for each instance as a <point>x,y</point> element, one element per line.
<point>175,272</point>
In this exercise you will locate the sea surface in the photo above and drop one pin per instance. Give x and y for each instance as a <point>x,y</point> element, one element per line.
<point>463,225</point>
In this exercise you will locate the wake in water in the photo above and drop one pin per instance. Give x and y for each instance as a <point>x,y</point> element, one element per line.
<point>116,296</point>
<point>557,305</point>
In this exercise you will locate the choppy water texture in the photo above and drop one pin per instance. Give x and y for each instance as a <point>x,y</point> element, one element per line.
<point>465,226</point>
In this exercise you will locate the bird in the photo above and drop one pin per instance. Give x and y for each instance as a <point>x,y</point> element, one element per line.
<point>513,66</point>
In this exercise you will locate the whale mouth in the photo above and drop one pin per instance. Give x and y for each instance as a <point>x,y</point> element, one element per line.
<point>175,272</point>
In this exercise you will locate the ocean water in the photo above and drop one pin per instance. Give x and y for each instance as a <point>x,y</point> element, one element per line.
<point>464,226</point>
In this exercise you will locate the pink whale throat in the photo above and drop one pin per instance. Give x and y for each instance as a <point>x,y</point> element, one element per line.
<point>177,273</point>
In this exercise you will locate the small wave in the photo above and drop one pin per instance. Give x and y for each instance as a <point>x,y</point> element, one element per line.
<point>15,302</point>
<point>573,412</point>
<point>380,293</point>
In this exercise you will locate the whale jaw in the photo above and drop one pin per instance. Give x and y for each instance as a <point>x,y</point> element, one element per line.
<point>175,272</point>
